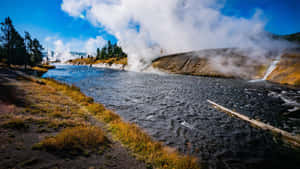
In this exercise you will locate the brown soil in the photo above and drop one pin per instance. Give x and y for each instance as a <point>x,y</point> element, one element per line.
<point>33,105</point>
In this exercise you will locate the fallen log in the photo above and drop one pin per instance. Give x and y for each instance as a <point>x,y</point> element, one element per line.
<point>292,140</point>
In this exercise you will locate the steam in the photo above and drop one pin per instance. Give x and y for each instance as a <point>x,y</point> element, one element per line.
<point>62,51</point>
<point>148,29</point>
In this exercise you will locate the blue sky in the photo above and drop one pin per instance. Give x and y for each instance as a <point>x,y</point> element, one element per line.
<point>44,18</point>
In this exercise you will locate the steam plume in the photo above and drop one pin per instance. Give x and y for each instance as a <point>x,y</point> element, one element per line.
<point>145,29</point>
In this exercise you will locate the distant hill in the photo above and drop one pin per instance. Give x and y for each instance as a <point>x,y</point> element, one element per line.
<point>295,37</point>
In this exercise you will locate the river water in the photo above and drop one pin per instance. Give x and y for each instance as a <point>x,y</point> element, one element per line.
<point>174,109</point>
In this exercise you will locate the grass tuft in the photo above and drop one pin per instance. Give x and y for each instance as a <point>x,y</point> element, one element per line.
<point>58,114</point>
<point>15,123</point>
<point>76,139</point>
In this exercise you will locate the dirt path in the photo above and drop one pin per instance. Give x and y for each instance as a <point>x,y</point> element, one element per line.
<point>31,112</point>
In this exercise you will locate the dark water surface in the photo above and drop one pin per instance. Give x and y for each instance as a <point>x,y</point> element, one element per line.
<point>173,109</point>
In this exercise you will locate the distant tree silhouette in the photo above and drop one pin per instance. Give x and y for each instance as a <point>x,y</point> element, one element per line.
<point>98,54</point>
<point>110,51</point>
<point>7,38</point>
<point>16,49</point>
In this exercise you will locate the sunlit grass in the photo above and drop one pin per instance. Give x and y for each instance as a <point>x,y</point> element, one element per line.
<point>93,60</point>
<point>122,61</point>
<point>76,138</point>
<point>40,69</point>
<point>58,114</point>
<point>15,123</point>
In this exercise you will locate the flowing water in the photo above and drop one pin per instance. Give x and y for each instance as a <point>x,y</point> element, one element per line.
<point>270,69</point>
<point>173,109</point>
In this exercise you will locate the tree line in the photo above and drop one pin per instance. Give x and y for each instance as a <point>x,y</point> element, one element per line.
<point>110,51</point>
<point>18,50</point>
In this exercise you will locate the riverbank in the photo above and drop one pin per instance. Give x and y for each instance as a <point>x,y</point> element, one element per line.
<point>37,70</point>
<point>113,63</point>
<point>40,122</point>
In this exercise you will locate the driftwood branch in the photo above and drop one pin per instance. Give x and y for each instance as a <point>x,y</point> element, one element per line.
<point>293,140</point>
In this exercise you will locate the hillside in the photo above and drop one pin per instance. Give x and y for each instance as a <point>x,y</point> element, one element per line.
<point>212,62</point>
<point>295,37</point>
<point>287,70</point>
<point>232,63</point>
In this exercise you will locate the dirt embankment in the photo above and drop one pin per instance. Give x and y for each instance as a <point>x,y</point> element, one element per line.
<point>287,70</point>
<point>212,62</point>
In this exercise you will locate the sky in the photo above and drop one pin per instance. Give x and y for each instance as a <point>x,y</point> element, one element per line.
<point>59,28</point>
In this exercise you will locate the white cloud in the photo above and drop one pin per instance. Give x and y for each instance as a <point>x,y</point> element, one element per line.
<point>171,25</point>
<point>92,44</point>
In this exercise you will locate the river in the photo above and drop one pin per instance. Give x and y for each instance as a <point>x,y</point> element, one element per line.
<point>173,109</point>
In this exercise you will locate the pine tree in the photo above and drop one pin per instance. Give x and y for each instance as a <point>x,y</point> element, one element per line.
<point>37,55</point>
<point>28,43</point>
<point>14,48</point>
<point>19,52</point>
<point>98,54</point>
<point>7,38</point>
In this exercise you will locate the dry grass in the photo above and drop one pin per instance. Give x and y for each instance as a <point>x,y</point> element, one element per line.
<point>47,66</point>
<point>76,138</point>
<point>48,108</point>
<point>148,150</point>
<point>58,114</point>
<point>39,69</point>
<point>122,61</point>
<point>80,61</point>
<point>130,135</point>
<point>15,123</point>
<point>92,60</point>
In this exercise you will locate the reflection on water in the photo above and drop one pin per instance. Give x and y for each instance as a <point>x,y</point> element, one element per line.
<point>173,109</point>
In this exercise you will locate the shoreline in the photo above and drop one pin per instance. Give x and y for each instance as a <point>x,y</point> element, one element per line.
<point>136,141</point>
